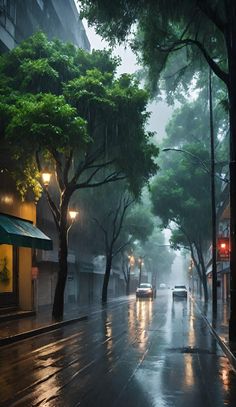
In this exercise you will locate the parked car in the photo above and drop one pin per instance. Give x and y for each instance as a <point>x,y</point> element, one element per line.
<point>145,290</point>
<point>180,291</point>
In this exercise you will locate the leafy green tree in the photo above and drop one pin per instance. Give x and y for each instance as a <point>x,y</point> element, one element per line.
<point>66,109</point>
<point>121,221</point>
<point>139,222</point>
<point>181,198</point>
<point>111,227</point>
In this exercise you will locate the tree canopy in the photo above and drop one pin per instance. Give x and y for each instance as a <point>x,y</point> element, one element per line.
<point>63,105</point>
<point>173,38</point>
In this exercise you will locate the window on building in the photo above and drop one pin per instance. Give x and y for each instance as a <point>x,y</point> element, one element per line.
<point>6,268</point>
<point>8,7</point>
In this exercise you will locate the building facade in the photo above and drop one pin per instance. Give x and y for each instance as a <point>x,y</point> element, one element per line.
<point>19,239</point>
<point>57,18</point>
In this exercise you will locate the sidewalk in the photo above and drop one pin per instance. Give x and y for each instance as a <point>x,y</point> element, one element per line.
<point>19,329</point>
<point>219,326</point>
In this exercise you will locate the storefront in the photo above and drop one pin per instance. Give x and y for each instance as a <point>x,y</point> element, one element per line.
<point>19,238</point>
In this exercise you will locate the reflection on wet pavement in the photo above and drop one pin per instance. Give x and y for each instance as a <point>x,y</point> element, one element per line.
<point>134,353</point>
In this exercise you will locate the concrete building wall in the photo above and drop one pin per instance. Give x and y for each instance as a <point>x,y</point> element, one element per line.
<point>57,18</point>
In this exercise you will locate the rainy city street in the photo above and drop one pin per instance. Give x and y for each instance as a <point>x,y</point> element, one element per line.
<point>117,203</point>
<point>129,353</point>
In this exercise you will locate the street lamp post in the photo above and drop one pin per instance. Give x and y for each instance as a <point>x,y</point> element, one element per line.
<point>213,206</point>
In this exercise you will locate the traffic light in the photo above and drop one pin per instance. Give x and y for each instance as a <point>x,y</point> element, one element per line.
<point>223,249</point>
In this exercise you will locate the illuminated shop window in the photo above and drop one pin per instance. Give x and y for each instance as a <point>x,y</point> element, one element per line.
<point>6,268</point>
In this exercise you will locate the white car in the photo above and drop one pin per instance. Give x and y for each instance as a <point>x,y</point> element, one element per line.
<point>179,291</point>
<point>145,290</point>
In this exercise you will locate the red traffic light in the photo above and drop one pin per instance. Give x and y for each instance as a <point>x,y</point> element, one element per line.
<point>223,249</point>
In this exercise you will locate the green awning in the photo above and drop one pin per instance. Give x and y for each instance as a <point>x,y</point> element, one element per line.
<point>21,232</point>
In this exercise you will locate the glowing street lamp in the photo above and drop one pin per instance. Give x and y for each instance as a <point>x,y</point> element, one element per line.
<point>131,260</point>
<point>73,214</point>
<point>46,177</point>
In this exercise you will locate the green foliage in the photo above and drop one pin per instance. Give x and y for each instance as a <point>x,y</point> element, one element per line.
<point>38,71</point>
<point>139,223</point>
<point>45,122</point>
<point>181,192</point>
<point>64,104</point>
<point>178,240</point>
<point>173,39</point>
<point>181,196</point>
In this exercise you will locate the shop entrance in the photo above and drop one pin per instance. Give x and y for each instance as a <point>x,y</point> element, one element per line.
<point>8,276</point>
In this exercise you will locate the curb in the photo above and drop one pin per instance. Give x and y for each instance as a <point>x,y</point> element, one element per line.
<point>225,348</point>
<point>21,314</point>
<point>38,331</point>
<point>223,345</point>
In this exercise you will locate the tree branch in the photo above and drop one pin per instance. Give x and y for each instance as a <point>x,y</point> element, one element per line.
<point>87,163</point>
<point>53,207</point>
<point>126,204</point>
<point>188,41</point>
<point>211,14</point>
<point>115,176</point>
<point>100,225</point>
<point>121,247</point>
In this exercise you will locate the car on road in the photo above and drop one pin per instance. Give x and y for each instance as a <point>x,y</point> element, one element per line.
<point>145,290</point>
<point>179,291</point>
<point>162,285</point>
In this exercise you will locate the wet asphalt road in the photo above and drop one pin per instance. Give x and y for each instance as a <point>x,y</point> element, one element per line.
<point>146,353</point>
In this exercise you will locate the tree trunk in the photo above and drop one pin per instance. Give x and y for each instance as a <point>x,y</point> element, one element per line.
<point>106,277</point>
<point>58,305</point>
<point>203,275</point>
<point>204,284</point>
<point>201,270</point>
<point>128,281</point>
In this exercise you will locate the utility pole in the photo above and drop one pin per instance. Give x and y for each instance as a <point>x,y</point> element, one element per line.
<point>213,205</point>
